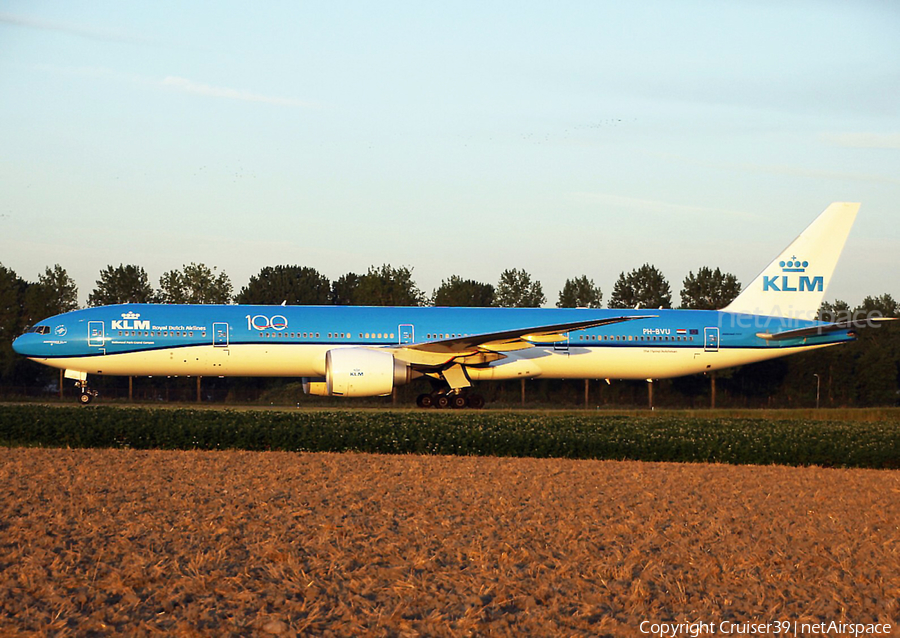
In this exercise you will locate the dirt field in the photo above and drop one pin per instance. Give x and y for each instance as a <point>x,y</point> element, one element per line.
<point>96,542</point>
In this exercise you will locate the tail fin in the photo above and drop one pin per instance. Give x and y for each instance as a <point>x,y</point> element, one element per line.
<point>794,285</point>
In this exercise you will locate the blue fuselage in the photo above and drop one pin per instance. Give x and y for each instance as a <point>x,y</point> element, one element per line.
<point>235,340</point>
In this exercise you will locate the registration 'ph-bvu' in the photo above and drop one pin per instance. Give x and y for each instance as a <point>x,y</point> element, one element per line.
<point>353,351</point>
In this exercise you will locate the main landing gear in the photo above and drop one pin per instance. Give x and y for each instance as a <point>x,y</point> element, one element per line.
<point>456,401</point>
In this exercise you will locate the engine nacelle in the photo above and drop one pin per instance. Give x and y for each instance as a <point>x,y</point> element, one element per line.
<point>360,372</point>
<point>316,387</point>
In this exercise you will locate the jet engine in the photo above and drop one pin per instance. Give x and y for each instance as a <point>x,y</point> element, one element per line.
<point>358,372</point>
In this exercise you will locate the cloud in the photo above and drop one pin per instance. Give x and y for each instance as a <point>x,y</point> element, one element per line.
<point>179,84</point>
<point>863,140</point>
<point>659,207</point>
<point>188,86</point>
<point>831,176</point>
<point>789,171</point>
<point>72,29</point>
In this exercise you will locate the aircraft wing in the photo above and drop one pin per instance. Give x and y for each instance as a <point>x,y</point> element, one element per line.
<point>822,329</point>
<point>441,351</point>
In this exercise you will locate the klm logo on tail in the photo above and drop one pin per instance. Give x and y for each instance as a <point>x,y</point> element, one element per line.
<point>792,282</point>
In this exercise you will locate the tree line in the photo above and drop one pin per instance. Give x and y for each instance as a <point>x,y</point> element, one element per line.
<point>864,373</point>
<point>385,285</point>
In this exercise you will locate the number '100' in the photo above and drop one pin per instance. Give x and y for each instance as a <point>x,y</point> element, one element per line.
<point>262,322</point>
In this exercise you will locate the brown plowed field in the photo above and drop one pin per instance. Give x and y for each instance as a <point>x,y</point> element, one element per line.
<point>96,542</point>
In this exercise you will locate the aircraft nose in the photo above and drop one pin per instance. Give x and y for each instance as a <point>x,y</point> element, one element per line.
<point>19,345</point>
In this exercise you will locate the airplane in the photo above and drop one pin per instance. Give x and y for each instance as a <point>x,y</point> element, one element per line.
<point>355,351</point>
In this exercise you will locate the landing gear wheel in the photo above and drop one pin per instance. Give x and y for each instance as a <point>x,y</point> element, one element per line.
<point>476,401</point>
<point>440,401</point>
<point>458,401</point>
<point>85,398</point>
<point>424,401</point>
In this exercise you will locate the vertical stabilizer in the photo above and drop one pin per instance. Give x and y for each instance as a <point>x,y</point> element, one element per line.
<point>794,285</point>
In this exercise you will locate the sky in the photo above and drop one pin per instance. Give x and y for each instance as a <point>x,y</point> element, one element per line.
<point>462,138</point>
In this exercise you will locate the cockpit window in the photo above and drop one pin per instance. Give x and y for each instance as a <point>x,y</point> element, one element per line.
<point>41,330</point>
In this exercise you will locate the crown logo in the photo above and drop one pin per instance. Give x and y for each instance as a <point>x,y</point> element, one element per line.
<point>793,265</point>
<point>131,315</point>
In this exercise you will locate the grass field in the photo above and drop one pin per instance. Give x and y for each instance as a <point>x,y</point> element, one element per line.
<point>199,532</point>
<point>235,543</point>
<point>860,438</point>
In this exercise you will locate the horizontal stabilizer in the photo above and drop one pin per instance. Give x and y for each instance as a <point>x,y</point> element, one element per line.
<point>823,329</point>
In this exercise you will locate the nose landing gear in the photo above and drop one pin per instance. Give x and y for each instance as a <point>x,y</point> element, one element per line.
<point>87,394</point>
<point>81,382</point>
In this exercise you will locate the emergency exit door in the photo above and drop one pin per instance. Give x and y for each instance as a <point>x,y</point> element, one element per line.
<point>96,334</point>
<point>711,339</point>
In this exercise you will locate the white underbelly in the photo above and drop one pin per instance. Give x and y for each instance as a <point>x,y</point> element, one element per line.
<point>295,360</point>
<point>262,360</point>
<point>623,362</point>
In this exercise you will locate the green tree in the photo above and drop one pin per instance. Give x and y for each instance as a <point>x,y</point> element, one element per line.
<point>297,285</point>
<point>516,290</point>
<point>877,369</point>
<point>195,284</point>
<point>884,304</point>
<point>343,290</point>
<point>709,289</point>
<point>53,294</point>
<point>580,293</point>
<point>12,298</point>
<point>644,287</point>
<point>457,291</point>
<point>876,373</point>
<point>387,286</point>
<point>122,284</point>
<point>834,312</point>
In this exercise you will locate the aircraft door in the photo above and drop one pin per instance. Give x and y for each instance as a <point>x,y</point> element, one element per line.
<point>96,334</point>
<point>407,333</point>
<point>220,335</point>
<point>711,339</point>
